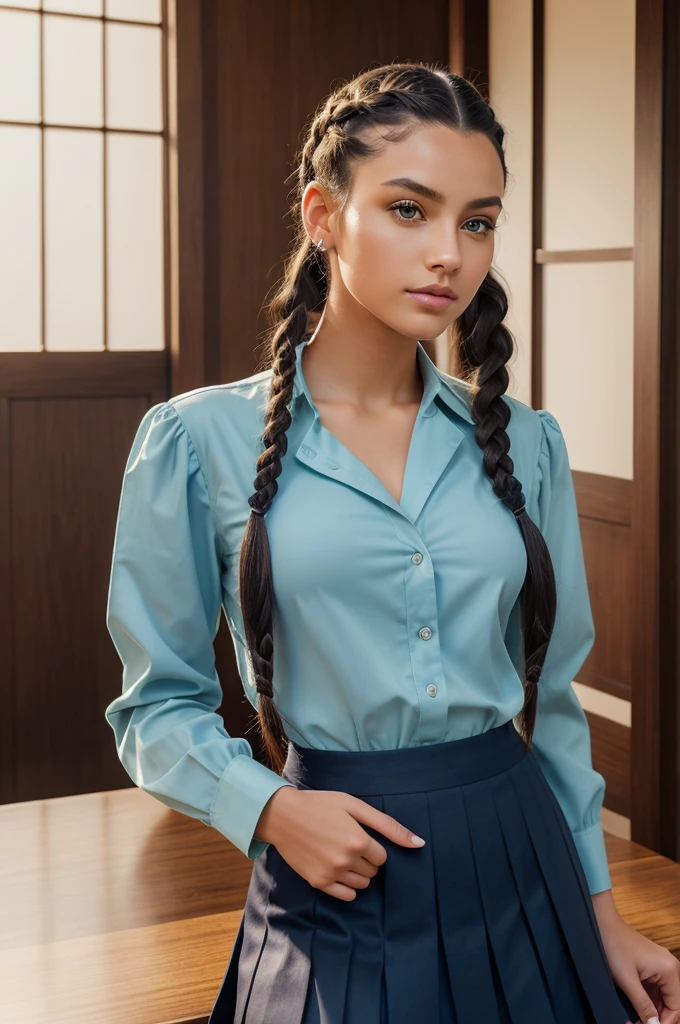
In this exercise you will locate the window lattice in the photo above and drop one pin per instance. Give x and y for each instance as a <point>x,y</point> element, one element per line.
<point>82,175</point>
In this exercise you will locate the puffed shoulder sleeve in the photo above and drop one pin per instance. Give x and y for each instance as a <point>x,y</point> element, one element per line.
<point>163,612</point>
<point>562,735</point>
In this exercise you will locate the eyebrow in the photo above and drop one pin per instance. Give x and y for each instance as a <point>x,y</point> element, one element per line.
<point>437,197</point>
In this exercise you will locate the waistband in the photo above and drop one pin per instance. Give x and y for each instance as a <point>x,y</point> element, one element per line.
<point>406,769</point>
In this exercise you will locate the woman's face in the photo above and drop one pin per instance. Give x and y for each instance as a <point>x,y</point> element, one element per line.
<point>392,238</point>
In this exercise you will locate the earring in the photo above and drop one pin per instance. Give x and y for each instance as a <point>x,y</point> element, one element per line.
<point>319,245</point>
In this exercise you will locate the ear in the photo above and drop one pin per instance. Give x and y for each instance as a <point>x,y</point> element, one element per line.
<point>316,212</point>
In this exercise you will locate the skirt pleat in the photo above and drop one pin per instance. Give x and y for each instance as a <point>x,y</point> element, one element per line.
<point>285,911</point>
<point>490,921</point>
<point>516,957</point>
<point>411,953</point>
<point>566,994</point>
<point>542,782</point>
<point>561,873</point>
<point>364,991</point>
<point>468,961</point>
<point>331,954</point>
<point>547,792</point>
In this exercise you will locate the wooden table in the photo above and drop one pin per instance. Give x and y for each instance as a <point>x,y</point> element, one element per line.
<point>117,910</point>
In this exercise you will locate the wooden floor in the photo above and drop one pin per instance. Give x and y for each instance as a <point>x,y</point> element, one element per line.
<point>116,909</point>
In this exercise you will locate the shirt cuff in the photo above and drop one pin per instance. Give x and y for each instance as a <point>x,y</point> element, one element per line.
<point>239,799</point>
<point>593,854</point>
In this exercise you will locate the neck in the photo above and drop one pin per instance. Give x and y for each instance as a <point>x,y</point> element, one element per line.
<point>372,371</point>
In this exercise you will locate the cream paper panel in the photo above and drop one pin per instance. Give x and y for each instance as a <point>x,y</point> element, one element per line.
<point>74,242</point>
<point>589,124</point>
<point>19,66</point>
<point>20,275</point>
<point>72,60</point>
<point>588,362</point>
<point>135,241</point>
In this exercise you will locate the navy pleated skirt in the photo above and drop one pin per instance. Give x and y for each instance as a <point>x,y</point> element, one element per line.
<point>490,921</point>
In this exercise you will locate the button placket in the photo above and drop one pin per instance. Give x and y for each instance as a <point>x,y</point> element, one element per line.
<point>423,619</point>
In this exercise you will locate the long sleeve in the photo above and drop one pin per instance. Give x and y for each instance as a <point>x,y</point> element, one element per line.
<point>562,737</point>
<point>164,607</point>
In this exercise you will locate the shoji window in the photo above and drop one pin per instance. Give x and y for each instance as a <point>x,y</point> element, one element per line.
<point>82,155</point>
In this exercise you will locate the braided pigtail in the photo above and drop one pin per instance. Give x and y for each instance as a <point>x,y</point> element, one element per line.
<point>485,345</point>
<point>302,291</point>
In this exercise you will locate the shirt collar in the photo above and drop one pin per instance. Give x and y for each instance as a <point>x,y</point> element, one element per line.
<point>453,391</point>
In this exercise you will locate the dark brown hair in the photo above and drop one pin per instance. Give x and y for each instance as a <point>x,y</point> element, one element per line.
<point>397,98</point>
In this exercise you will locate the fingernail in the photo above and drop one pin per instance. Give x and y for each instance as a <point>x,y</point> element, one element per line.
<point>653,1020</point>
<point>417,841</point>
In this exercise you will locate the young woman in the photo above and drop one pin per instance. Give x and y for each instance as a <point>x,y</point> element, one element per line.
<point>400,590</point>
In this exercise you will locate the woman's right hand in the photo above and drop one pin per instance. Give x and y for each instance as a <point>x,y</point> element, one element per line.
<point>317,832</point>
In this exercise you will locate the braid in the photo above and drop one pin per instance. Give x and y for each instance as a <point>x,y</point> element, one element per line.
<point>485,345</point>
<point>255,577</point>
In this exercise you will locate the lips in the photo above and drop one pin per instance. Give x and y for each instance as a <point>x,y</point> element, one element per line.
<point>436,289</point>
<point>433,299</point>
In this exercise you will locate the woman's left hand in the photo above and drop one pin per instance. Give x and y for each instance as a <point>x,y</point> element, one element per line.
<point>649,974</point>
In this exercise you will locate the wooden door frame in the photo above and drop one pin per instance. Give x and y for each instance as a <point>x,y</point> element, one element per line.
<point>193,189</point>
<point>655,765</point>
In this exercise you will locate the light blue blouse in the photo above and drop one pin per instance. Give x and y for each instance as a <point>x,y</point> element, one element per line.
<point>395,623</point>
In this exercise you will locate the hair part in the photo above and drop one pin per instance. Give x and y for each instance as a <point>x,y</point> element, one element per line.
<point>395,98</point>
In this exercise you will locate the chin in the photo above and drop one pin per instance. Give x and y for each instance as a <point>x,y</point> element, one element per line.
<point>418,328</point>
<point>427,331</point>
<point>431,335</point>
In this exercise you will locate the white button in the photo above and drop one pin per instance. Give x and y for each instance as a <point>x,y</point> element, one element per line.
<point>417,558</point>
<point>425,633</point>
<point>432,690</point>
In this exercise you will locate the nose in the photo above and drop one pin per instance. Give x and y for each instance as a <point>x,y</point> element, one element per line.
<point>445,254</point>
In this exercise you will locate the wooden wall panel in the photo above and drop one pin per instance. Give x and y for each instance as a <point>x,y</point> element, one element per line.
<point>604,505</point>
<point>194,178</point>
<point>67,421</point>
<point>607,549</point>
<point>608,498</point>
<point>7,692</point>
<point>610,745</point>
<point>67,457</point>
<point>655,776</point>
